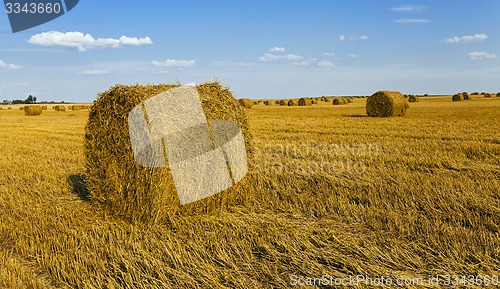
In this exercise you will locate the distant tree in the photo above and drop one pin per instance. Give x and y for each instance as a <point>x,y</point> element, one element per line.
<point>18,101</point>
<point>30,99</point>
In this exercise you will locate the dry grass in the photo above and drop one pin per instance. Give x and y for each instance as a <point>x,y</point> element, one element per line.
<point>426,202</point>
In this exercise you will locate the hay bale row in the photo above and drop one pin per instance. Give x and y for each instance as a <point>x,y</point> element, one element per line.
<point>246,103</point>
<point>60,108</point>
<point>33,110</point>
<point>118,182</point>
<point>304,101</point>
<point>386,104</point>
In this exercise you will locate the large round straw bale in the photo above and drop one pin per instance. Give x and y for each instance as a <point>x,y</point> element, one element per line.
<point>413,98</point>
<point>293,102</point>
<point>457,97</point>
<point>32,110</point>
<point>59,108</point>
<point>304,101</point>
<point>466,95</point>
<point>245,102</point>
<point>386,103</point>
<point>283,102</point>
<point>137,193</point>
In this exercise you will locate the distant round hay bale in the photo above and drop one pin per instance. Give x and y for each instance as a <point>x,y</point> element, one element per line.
<point>148,194</point>
<point>466,95</point>
<point>33,110</point>
<point>314,101</point>
<point>475,93</point>
<point>349,100</point>
<point>245,102</point>
<point>406,95</point>
<point>293,102</point>
<point>283,102</point>
<point>59,108</point>
<point>268,102</point>
<point>339,101</point>
<point>256,102</point>
<point>21,108</point>
<point>386,104</point>
<point>9,108</point>
<point>1,108</point>
<point>498,94</point>
<point>44,107</point>
<point>304,101</point>
<point>488,95</point>
<point>426,95</point>
<point>457,97</point>
<point>413,98</point>
<point>276,102</point>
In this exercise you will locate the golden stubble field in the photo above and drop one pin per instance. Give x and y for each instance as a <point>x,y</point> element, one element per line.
<point>338,195</point>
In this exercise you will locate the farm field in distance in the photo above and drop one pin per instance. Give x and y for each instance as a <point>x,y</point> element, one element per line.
<point>337,194</point>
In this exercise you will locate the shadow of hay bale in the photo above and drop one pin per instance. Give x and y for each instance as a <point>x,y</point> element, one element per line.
<point>79,187</point>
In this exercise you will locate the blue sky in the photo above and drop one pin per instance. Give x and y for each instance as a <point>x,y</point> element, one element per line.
<point>260,49</point>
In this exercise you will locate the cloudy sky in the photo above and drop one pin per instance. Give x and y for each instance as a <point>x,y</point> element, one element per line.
<point>259,48</point>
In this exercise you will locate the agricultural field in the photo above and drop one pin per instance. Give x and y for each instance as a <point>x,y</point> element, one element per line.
<point>334,194</point>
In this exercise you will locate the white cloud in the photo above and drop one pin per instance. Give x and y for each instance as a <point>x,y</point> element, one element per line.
<point>331,54</point>
<point>412,21</point>
<point>408,8</point>
<point>481,55</point>
<point>352,55</point>
<point>341,38</point>
<point>277,49</point>
<point>363,37</point>
<point>268,57</point>
<point>174,63</point>
<point>326,63</point>
<point>95,72</point>
<point>83,42</point>
<point>4,65</point>
<point>467,38</point>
